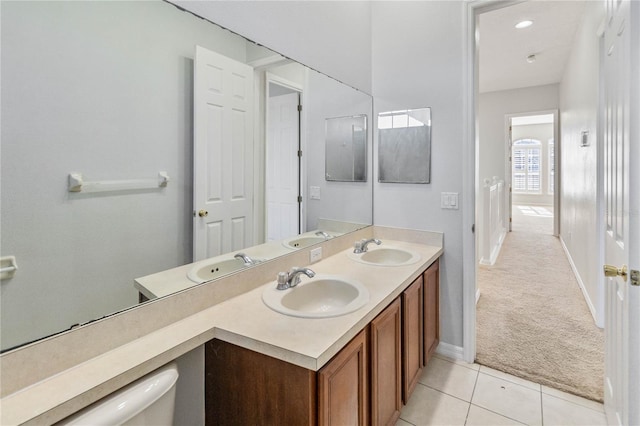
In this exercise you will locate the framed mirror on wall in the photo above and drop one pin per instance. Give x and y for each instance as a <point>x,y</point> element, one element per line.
<point>107,89</point>
<point>404,146</point>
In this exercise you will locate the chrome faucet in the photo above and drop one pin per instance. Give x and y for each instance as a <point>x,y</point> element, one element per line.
<point>292,278</point>
<point>323,234</point>
<point>361,246</point>
<point>246,259</point>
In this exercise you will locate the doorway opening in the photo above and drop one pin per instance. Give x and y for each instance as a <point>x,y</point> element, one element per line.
<point>528,294</point>
<point>531,169</point>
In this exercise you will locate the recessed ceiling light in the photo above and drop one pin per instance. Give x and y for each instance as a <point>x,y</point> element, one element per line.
<point>523,24</point>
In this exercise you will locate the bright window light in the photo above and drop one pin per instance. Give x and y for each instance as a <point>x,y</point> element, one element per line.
<point>523,24</point>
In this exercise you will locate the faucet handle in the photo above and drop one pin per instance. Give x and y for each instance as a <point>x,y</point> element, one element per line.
<point>357,246</point>
<point>283,277</point>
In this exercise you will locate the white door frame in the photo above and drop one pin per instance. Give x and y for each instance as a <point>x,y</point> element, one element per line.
<point>470,178</point>
<point>556,159</point>
<point>276,79</point>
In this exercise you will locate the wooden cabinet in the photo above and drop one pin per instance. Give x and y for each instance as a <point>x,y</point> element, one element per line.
<point>364,383</point>
<point>412,337</point>
<point>343,391</point>
<point>386,380</point>
<point>431,309</point>
<point>243,387</point>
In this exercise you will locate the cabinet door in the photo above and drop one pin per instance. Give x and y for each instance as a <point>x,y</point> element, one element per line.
<point>386,362</point>
<point>343,386</point>
<point>431,310</point>
<point>412,345</point>
<point>243,387</point>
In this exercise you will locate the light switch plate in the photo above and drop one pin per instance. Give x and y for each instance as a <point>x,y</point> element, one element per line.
<point>314,192</point>
<point>449,200</point>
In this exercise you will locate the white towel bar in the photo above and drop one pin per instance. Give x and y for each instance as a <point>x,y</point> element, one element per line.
<point>8,266</point>
<point>8,269</point>
<point>78,184</point>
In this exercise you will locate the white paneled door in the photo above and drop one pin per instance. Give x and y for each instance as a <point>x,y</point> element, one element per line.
<point>622,329</point>
<point>282,169</point>
<point>222,155</point>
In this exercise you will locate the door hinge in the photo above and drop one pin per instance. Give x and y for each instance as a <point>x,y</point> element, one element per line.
<point>473,228</point>
<point>299,198</point>
<point>635,277</point>
<point>299,153</point>
<point>299,108</point>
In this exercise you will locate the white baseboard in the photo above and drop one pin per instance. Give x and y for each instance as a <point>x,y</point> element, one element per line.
<point>495,251</point>
<point>590,305</point>
<point>450,351</point>
<point>477,295</point>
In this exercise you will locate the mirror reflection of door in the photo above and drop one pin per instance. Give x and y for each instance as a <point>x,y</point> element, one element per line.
<point>222,171</point>
<point>282,174</point>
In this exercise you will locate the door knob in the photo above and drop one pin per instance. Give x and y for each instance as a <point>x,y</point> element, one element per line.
<point>203,213</point>
<point>612,271</point>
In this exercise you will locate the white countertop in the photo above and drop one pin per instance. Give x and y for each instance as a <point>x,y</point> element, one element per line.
<point>246,321</point>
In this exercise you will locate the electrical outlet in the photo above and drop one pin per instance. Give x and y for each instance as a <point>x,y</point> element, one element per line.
<point>315,255</point>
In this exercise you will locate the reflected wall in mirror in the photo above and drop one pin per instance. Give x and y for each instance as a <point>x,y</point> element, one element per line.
<point>346,149</point>
<point>404,146</point>
<point>106,89</point>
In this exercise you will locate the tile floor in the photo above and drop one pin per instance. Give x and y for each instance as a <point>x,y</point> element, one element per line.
<point>456,393</point>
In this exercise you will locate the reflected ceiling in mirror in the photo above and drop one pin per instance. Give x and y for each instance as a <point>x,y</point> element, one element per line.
<point>105,89</point>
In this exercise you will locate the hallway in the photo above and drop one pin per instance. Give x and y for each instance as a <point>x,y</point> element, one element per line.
<point>532,319</point>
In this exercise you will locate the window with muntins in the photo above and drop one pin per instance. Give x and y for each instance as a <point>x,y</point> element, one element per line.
<point>527,165</point>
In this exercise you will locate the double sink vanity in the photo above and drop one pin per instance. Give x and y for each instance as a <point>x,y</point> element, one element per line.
<point>257,359</point>
<point>348,350</point>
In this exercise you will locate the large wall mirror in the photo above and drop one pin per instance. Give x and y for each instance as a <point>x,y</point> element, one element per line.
<point>107,89</point>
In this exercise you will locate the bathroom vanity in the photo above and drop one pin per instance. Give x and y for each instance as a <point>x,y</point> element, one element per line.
<point>365,382</point>
<point>230,312</point>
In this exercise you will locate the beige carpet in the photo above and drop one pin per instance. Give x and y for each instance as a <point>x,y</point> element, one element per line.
<point>532,319</point>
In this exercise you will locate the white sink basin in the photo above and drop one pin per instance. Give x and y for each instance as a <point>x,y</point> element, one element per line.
<point>302,242</point>
<point>209,270</point>
<point>323,296</point>
<point>386,256</point>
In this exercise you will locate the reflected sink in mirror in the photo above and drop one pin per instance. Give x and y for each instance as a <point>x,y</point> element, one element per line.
<point>210,269</point>
<point>302,242</point>
<point>306,240</point>
<point>386,256</point>
<point>323,296</point>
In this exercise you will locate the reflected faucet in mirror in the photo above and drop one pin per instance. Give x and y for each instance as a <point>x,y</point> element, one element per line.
<point>246,259</point>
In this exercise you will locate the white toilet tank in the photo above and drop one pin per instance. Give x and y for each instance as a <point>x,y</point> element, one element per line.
<point>147,401</point>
